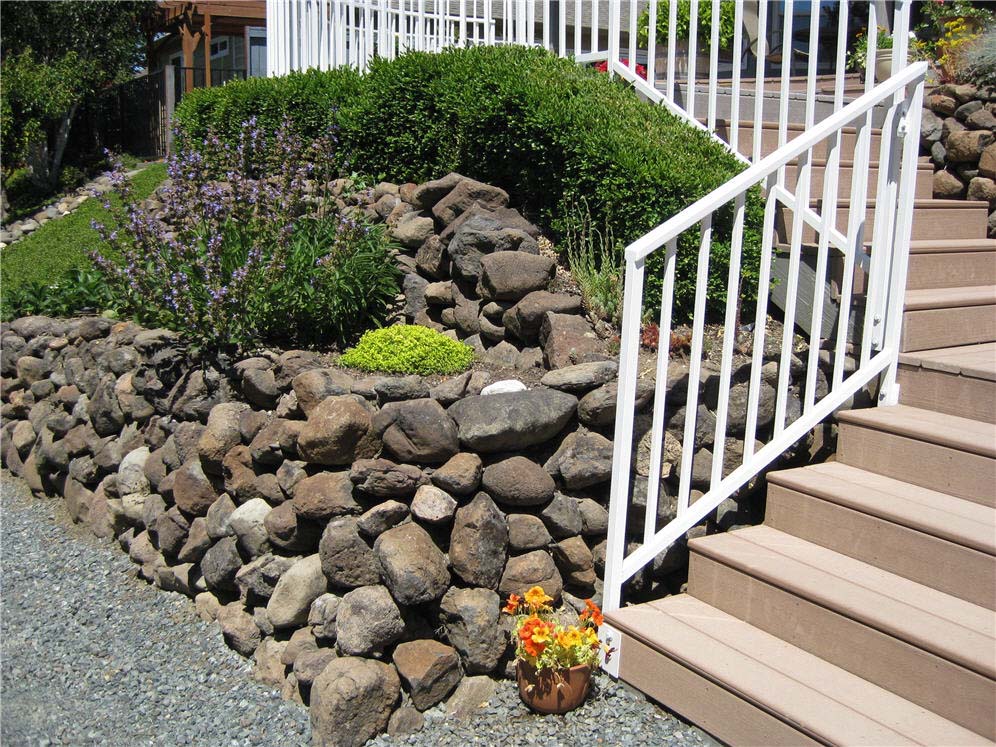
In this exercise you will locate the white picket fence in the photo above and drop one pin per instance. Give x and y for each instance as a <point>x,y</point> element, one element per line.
<point>696,79</point>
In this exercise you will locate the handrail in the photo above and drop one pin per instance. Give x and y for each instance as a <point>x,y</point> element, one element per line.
<point>655,238</point>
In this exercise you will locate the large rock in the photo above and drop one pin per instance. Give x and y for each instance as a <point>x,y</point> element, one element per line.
<point>425,196</point>
<point>479,542</point>
<point>412,230</point>
<point>597,408</point>
<point>510,276</point>
<point>351,701</point>
<point>513,420</point>
<point>239,629</point>
<point>192,490</point>
<point>131,471</point>
<point>947,186</point>
<point>518,481</point>
<point>470,619</point>
<point>220,564</point>
<point>347,561</point>
<point>247,521</point>
<point>568,339</point>
<point>221,435</point>
<point>967,146</point>
<point>582,377</point>
<point>464,196</point>
<point>413,568</point>
<point>338,431</point>
<point>257,580</point>
<point>461,475</point>
<point>325,496</point>
<point>382,478</point>
<point>432,505</point>
<point>297,588</point>
<point>417,431</point>
<point>429,670</point>
<point>318,384</point>
<point>458,387</point>
<point>583,459</point>
<point>532,569</point>
<point>478,238</point>
<point>563,516</point>
<point>367,621</point>
<point>527,532</point>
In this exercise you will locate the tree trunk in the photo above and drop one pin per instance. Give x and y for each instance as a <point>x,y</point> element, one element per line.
<point>61,139</point>
<point>46,166</point>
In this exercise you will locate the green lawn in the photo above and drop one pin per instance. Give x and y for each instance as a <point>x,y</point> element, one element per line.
<point>62,244</point>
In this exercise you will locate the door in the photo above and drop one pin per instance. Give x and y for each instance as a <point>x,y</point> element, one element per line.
<point>256,57</point>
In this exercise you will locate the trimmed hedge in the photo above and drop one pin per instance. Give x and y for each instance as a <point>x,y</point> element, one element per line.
<point>549,131</point>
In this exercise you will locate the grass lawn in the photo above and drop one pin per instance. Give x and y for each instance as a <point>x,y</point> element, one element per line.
<point>62,244</point>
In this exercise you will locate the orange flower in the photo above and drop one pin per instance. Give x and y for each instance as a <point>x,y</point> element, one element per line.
<point>537,598</point>
<point>534,634</point>
<point>513,604</point>
<point>593,613</point>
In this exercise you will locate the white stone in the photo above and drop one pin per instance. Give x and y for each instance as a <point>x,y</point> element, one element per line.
<point>504,386</point>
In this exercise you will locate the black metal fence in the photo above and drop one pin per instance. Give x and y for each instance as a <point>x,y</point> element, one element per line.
<point>187,78</point>
<point>131,117</point>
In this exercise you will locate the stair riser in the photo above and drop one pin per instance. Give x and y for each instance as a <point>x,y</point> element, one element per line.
<point>960,571</point>
<point>701,701</point>
<point>924,182</point>
<point>928,465</point>
<point>769,143</point>
<point>926,329</point>
<point>929,223</point>
<point>951,270</point>
<point>949,393</point>
<point>948,689</point>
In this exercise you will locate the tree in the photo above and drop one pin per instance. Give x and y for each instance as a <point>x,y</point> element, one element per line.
<point>52,55</point>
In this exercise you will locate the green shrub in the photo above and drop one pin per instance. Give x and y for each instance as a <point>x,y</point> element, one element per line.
<point>408,349</point>
<point>545,129</point>
<point>727,23</point>
<point>78,292</point>
<point>980,63</point>
<point>596,263</point>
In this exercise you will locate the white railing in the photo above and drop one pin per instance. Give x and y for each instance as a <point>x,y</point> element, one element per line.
<point>803,223</point>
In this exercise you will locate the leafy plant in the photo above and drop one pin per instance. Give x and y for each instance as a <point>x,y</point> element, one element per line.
<point>596,264</point>
<point>81,291</point>
<point>980,65</point>
<point>727,22</point>
<point>543,642</point>
<point>255,257</point>
<point>408,348</point>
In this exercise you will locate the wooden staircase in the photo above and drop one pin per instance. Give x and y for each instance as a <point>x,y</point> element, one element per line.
<point>863,610</point>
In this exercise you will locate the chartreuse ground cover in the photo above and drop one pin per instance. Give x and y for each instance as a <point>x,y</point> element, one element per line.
<point>408,349</point>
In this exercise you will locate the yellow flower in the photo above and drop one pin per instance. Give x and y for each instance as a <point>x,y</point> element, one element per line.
<point>537,598</point>
<point>569,638</point>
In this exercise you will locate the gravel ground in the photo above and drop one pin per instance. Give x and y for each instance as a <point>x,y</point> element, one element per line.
<point>92,655</point>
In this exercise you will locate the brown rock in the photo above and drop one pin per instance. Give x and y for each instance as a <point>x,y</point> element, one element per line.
<point>478,542</point>
<point>338,431</point>
<point>429,670</point>
<point>967,147</point>
<point>324,496</point>
<point>947,186</point>
<point>461,475</point>
<point>568,339</point>
<point>518,481</point>
<point>532,569</point>
<point>351,701</point>
<point>192,490</point>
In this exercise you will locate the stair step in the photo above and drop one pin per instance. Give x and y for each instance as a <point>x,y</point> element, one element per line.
<point>769,139</point>
<point>920,643</point>
<point>936,317</point>
<point>950,454</point>
<point>937,540</point>
<point>960,264</point>
<point>932,219</point>
<point>957,381</point>
<point>845,170</point>
<point>946,298</point>
<point>747,686</point>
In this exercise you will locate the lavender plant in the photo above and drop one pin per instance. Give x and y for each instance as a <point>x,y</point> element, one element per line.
<point>255,257</point>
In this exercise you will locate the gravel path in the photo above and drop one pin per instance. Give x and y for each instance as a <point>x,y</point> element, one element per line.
<point>92,655</point>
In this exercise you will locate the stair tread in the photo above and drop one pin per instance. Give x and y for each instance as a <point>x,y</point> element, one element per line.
<point>946,298</point>
<point>929,511</point>
<point>945,625</point>
<point>973,436</point>
<point>811,694</point>
<point>977,361</point>
<point>770,124</point>
<point>923,203</point>
<point>937,246</point>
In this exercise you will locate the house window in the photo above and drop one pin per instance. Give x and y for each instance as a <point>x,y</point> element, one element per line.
<point>219,48</point>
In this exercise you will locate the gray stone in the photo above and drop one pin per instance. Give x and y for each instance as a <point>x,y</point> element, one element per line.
<point>510,276</point>
<point>257,579</point>
<point>322,616</point>
<point>466,194</point>
<point>412,231</point>
<point>325,496</point>
<point>347,561</point>
<point>518,481</point>
<point>461,475</point>
<point>582,377</point>
<point>516,420</point>
<point>131,472</point>
<point>338,432</point>
<point>297,588</point>
<point>259,386</point>
<point>317,384</point>
<point>219,517</point>
<point>532,569</point>
<point>567,339</point>
<point>425,196</point>
<point>432,260</point>
<point>471,695</point>
<point>594,518</point>
<point>562,517</point>
<point>221,435</point>
<point>432,505</point>
<point>458,387</point>
<point>583,459</point>
<point>247,521</point>
<point>382,517</point>
<point>367,622</point>
<point>478,542</point>
<point>527,532</point>
<point>470,619</point>
<point>417,431</point>
<point>239,629</point>
<point>382,478</point>
<point>220,564</point>
<point>351,701</point>
<point>413,568</point>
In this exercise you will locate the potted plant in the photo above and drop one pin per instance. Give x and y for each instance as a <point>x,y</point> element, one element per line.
<point>683,14</point>
<point>554,662</point>
<point>858,59</point>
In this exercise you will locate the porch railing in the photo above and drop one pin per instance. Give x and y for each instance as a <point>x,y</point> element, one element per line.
<point>690,77</point>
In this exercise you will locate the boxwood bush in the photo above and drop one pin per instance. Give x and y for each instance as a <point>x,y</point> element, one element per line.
<point>547,130</point>
<point>408,348</point>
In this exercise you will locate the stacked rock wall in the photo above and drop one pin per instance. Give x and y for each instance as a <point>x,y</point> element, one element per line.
<point>344,527</point>
<point>958,132</point>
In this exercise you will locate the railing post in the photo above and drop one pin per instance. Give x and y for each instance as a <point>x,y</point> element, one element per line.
<point>614,8</point>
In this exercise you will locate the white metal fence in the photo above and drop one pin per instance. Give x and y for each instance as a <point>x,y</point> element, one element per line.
<point>796,74</point>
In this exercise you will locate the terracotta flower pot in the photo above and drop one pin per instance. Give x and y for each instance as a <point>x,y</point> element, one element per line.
<point>553,690</point>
